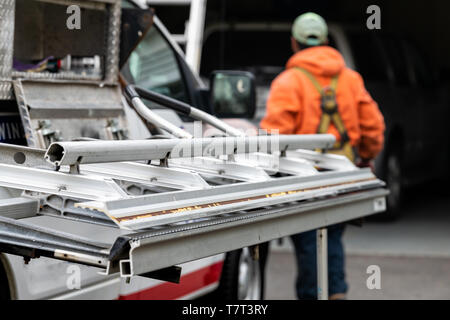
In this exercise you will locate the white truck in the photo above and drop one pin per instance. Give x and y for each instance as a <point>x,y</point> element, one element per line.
<point>105,197</point>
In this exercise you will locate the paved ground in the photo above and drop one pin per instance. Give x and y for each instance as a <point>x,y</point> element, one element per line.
<point>401,277</point>
<point>413,253</point>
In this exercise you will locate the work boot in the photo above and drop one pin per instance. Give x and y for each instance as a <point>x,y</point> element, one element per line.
<point>338,296</point>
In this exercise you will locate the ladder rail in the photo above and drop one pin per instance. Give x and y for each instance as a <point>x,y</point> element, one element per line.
<point>195,30</point>
<point>193,34</point>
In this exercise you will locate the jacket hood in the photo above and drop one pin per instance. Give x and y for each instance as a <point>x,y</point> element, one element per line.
<point>321,61</point>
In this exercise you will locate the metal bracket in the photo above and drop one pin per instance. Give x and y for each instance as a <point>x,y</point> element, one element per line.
<point>222,169</point>
<point>23,156</point>
<point>174,178</point>
<point>74,169</point>
<point>114,132</point>
<point>170,274</point>
<point>46,135</point>
<point>46,181</point>
<point>323,160</point>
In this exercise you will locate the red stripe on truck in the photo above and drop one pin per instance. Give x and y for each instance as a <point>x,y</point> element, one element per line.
<point>189,283</point>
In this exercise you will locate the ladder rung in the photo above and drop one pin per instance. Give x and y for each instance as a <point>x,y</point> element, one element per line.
<point>180,38</point>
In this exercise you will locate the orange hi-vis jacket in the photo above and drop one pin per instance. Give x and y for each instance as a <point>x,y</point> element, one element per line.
<point>294,104</point>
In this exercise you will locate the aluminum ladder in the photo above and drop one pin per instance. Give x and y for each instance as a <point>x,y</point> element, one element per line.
<point>193,34</point>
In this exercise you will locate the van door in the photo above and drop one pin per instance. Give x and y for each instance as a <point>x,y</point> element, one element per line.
<point>433,112</point>
<point>373,63</point>
<point>409,120</point>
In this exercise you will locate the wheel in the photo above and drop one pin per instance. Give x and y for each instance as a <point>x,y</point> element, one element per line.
<point>3,293</point>
<point>393,177</point>
<point>4,287</point>
<point>242,276</point>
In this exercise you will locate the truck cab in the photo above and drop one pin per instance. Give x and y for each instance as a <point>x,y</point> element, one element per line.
<point>158,63</point>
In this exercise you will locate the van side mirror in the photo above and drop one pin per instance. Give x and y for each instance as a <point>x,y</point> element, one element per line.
<point>232,94</point>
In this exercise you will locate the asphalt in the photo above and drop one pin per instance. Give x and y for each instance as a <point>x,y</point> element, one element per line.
<point>413,252</point>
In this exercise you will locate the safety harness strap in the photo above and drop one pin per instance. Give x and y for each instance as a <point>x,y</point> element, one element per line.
<point>330,113</point>
<point>311,78</point>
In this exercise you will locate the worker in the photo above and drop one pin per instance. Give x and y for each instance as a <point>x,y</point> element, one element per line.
<point>317,93</point>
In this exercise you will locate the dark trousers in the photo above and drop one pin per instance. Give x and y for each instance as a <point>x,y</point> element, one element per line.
<point>306,255</point>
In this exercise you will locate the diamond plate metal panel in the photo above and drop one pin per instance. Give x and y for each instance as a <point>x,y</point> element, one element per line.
<point>112,55</point>
<point>5,90</point>
<point>6,47</point>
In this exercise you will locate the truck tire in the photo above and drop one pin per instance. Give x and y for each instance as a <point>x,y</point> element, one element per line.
<point>4,286</point>
<point>242,276</point>
<point>393,178</point>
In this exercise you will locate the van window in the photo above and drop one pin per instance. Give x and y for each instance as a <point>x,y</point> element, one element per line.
<point>153,66</point>
<point>369,59</point>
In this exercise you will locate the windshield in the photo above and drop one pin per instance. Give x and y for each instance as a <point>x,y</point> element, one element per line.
<point>153,66</point>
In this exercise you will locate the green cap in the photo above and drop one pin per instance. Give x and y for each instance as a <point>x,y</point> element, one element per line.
<point>310,29</point>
